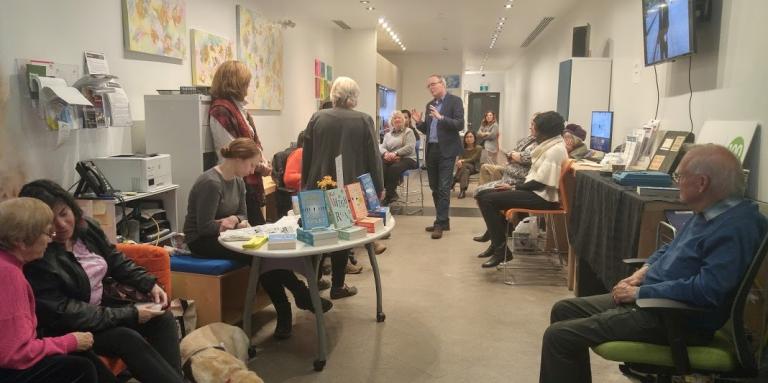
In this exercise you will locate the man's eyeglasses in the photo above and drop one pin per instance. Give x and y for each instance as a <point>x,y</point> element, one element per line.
<point>431,84</point>
<point>676,176</point>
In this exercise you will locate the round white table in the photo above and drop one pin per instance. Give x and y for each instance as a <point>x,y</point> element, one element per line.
<point>264,260</point>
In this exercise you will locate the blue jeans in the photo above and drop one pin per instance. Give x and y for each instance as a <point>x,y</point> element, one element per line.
<point>440,174</point>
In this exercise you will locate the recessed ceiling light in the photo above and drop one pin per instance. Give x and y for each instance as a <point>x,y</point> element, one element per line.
<point>369,8</point>
<point>381,20</point>
<point>385,25</point>
<point>364,1</point>
<point>508,6</point>
<point>502,18</point>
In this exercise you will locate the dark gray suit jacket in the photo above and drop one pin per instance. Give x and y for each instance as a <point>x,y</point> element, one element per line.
<point>331,132</point>
<point>448,128</point>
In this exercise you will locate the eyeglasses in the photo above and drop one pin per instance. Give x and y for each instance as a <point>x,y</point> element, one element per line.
<point>431,84</point>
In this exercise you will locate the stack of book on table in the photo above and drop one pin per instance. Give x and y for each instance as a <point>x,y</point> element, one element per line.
<point>658,191</point>
<point>281,241</point>
<point>347,213</point>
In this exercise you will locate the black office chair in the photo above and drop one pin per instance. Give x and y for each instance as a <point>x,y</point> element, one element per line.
<point>734,352</point>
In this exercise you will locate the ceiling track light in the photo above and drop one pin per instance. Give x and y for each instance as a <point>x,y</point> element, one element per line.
<point>391,31</point>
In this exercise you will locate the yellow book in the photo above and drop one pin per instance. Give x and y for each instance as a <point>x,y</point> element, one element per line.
<point>255,242</point>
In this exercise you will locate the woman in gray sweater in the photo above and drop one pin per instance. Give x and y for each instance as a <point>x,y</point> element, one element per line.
<point>398,154</point>
<point>217,203</point>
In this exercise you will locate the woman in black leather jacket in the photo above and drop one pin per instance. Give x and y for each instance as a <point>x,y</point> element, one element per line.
<point>68,286</point>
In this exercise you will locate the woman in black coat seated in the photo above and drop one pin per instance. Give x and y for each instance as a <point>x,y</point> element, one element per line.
<point>540,190</point>
<point>69,285</point>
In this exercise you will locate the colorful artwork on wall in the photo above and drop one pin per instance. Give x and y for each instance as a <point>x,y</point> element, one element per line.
<point>453,81</point>
<point>260,47</point>
<point>323,80</point>
<point>157,27</point>
<point>208,52</point>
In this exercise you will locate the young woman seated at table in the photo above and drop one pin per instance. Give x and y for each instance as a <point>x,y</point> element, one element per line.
<point>540,190</point>
<point>216,204</point>
<point>25,231</point>
<point>70,284</point>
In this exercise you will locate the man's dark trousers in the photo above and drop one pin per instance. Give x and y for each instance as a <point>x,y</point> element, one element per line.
<point>580,323</point>
<point>440,174</point>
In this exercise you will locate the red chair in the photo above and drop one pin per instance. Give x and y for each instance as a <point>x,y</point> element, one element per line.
<point>549,217</point>
<point>155,260</point>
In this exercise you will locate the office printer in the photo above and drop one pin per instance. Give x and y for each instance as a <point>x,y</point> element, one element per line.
<point>136,172</point>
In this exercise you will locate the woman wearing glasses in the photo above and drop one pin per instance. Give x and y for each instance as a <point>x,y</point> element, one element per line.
<point>25,231</point>
<point>69,280</point>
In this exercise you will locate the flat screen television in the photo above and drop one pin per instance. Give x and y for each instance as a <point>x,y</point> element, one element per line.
<point>668,31</point>
<point>601,131</point>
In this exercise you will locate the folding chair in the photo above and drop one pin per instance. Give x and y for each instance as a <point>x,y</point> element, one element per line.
<point>543,265</point>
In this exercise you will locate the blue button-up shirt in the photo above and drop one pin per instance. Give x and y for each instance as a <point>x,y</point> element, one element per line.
<point>433,124</point>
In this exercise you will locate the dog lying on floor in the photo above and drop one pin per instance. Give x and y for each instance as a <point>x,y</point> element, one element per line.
<point>217,353</point>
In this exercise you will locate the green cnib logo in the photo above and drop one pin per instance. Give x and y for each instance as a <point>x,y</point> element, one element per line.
<point>737,147</point>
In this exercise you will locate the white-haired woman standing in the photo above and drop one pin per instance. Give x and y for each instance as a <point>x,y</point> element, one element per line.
<point>398,153</point>
<point>343,131</point>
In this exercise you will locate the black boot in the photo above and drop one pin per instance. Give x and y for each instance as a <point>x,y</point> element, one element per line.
<point>483,238</point>
<point>284,320</point>
<point>304,302</point>
<point>498,256</point>
<point>487,253</point>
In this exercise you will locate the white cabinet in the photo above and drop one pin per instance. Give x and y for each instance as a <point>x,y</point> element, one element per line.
<point>178,125</point>
<point>584,86</point>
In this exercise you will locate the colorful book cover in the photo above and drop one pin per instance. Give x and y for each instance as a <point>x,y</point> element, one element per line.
<point>356,200</point>
<point>382,212</point>
<point>338,208</point>
<point>371,224</point>
<point>314,212</point>
<point>371,199</point>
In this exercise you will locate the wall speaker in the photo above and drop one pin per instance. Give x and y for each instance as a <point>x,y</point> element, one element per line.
<point>580,45</point>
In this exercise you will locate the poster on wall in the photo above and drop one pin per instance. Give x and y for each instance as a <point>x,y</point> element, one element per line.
<point>260,47</point>
<point>329,73</point>
<point>452,81</point>
<point>156,27</point>
<point>208,52</point>
<point>317,68</point>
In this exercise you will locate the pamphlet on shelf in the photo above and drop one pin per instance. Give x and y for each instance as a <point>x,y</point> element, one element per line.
<point>95,63</point>
<point>119,108</point>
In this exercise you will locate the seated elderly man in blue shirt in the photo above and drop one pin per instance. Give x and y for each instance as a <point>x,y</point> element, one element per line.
<point>702,266</point>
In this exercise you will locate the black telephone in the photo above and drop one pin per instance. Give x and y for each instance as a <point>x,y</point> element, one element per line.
<point>92,181</point>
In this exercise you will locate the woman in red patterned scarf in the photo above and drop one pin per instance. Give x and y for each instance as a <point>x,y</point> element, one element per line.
<point>229,120</point>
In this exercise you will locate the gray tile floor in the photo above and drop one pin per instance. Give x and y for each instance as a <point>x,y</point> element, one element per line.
<point>448,320</point>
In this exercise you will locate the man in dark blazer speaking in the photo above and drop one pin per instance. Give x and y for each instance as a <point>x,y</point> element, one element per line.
<point>444,119</point>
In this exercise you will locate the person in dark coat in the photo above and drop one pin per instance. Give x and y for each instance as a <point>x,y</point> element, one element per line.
<point>349,133</point>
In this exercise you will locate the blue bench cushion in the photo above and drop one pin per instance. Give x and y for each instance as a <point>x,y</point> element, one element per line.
<point>187,264</point>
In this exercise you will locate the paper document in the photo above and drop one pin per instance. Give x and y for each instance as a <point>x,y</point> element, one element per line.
<point>119,108</point>
<point>95,63</point>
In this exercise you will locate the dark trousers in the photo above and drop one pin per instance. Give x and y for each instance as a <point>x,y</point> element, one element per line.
<point>580,323</point>
<point>54,369</point>
<point>339,261</point>
<point>440,175</point>
<point>392,172</point>
<point>462,174</point>
<point>150,350</point>
<point>274,282</point>
<point>492,202</point>
<point>253,206</point>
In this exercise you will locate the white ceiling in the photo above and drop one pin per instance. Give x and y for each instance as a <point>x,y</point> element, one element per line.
<point>460,27</point>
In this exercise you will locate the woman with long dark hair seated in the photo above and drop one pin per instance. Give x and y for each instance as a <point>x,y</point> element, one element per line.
<point>540,190</point>
<point>69,292</point>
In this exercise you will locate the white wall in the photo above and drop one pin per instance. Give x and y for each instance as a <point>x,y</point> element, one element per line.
<point>387,73</point>
<point>415,68</point>
<point>61,31</point>
<point>729,78</point>
<point>355,57</point>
